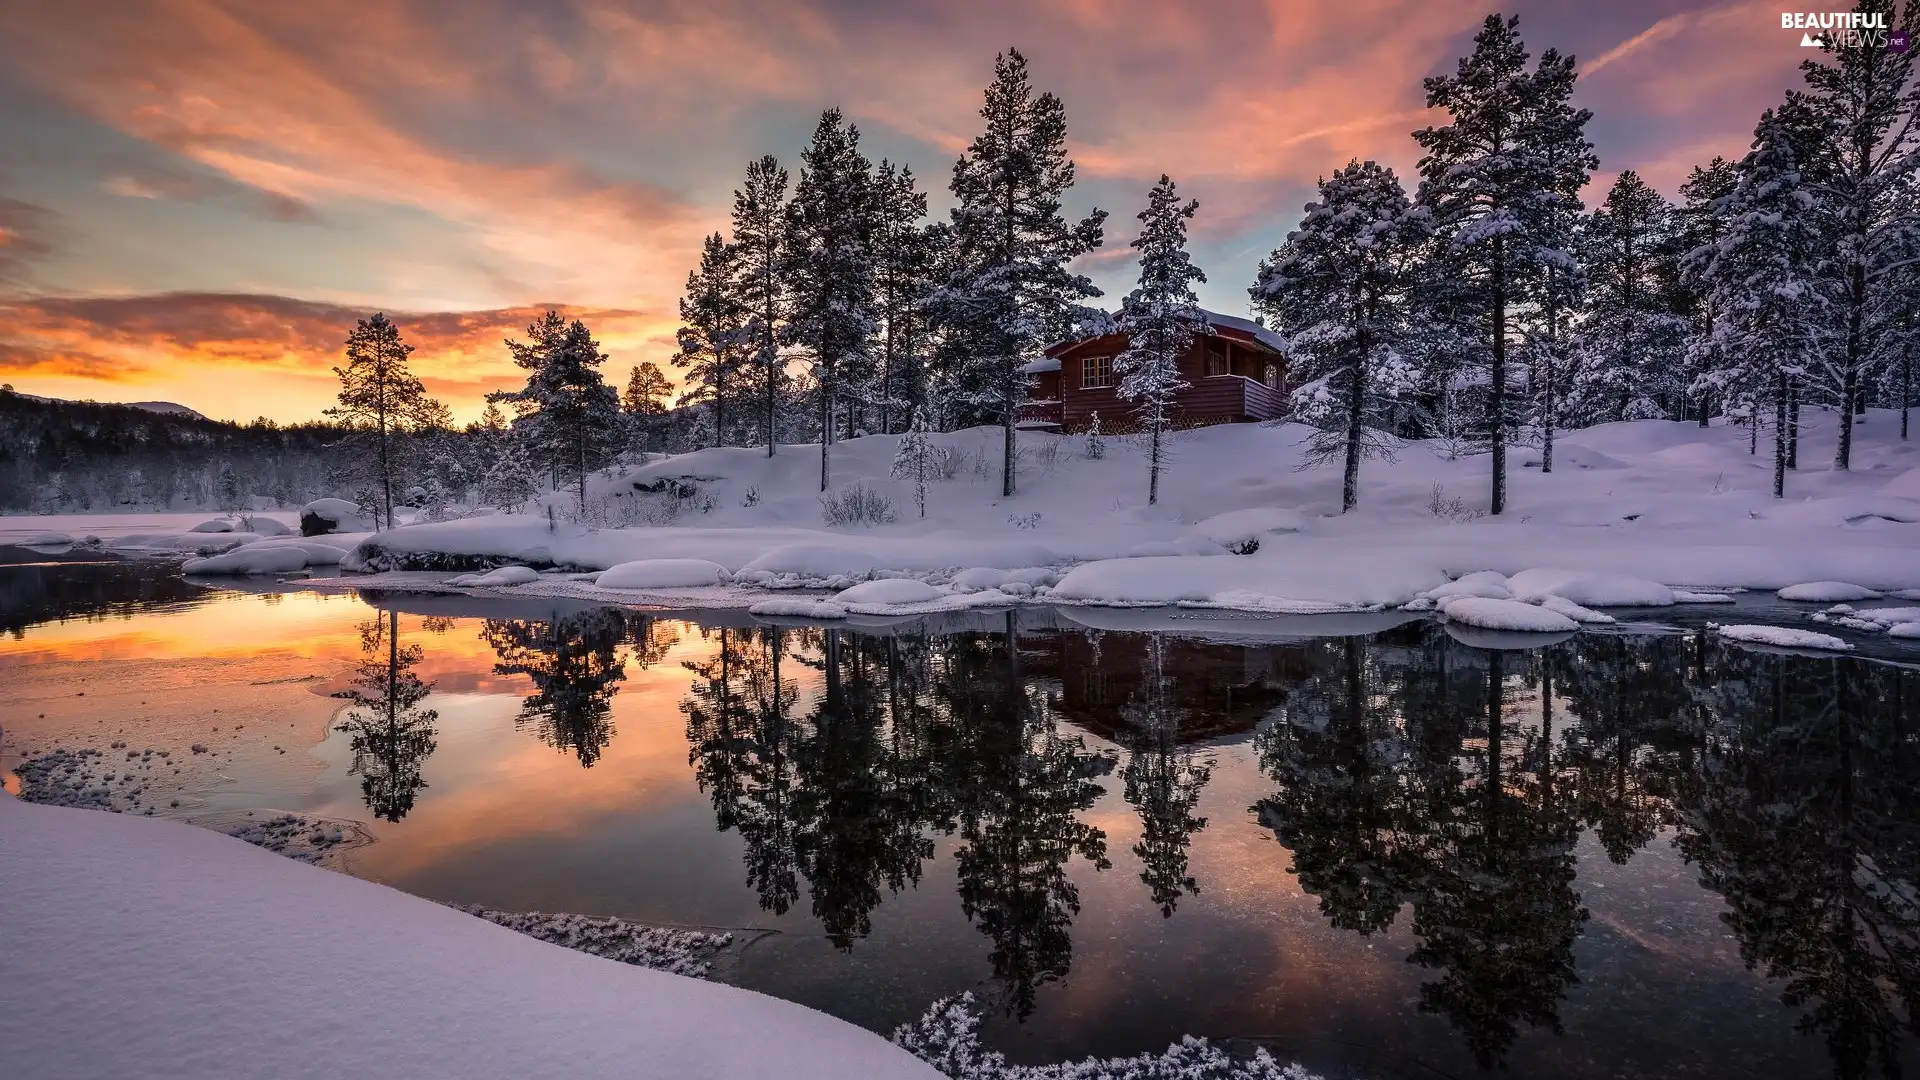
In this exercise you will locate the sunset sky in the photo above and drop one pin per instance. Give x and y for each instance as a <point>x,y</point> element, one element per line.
<point>197,197</point>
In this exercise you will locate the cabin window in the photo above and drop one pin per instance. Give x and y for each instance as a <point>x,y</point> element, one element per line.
<point>1217,357</point>
<point>1273,376</point>
<point>1096,371</point>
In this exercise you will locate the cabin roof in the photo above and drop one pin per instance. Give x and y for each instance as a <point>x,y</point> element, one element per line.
<point>1237,328</point>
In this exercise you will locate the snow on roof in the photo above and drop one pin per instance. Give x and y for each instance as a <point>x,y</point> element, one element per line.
<point>1045,363</point>
<point>1252,329</point>
<point>1247,326</point>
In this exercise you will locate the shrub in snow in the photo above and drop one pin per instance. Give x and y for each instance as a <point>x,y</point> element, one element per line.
<point>912,460</point>
<point>948,1039</point>
<point>1096,446</point>
<point>947,461</point>
<point>856,505</point>
<point>1451,507</point>
<point>752,497</point>
<point>1025,521</point>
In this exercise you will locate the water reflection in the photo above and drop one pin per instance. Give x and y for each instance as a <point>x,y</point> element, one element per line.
<point>389,734</point>
<point>574,661</point>
<point>38,588</point>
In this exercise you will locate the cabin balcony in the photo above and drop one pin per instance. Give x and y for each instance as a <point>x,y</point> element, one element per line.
<point>1230,398</point>
<point>1039,416</point>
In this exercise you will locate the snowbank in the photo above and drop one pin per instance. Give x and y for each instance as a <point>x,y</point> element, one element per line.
<point>662,574</point>
<point>1267,581</point>
<point>1829,592</point>
<point>252,559</point>
<point>505,575</point>
<point>1489,613</point>
<point>142,947</point>
<point>1782,636</point>
<point>1590,588</point>
<point>1240,529</point>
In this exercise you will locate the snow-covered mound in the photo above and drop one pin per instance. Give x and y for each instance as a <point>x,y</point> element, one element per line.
<point>1829,592</point>
<point>504,575</point>
<point>217,525</point>
<point>662,574</point>
<point>1489,613</point>
<point>252,559</point>
<point>1266,581</point>
<point>1244,529</point>
<point>1590,588</point>
<point>142,947</point>
<point>1782,636</point>
<point>323,516</point>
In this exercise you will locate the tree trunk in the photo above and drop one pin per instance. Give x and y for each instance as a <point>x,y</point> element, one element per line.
<point>1153,461</point>
<point>1356,409</point>
<point>1547,416</point>
<point>1906,391</point>
<point>1779,436</point>
<point>386,476</point>
<point>1850,373</point>
<point>1793,426</point>
<point>580,443</point>
<point>826,432</point>
<point>1007,450</point>
<point>1497,408</point>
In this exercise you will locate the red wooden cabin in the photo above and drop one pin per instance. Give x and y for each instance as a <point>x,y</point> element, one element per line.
<point>1237,374</point>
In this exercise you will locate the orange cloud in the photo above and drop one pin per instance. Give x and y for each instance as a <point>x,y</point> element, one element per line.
<point>211,339</point>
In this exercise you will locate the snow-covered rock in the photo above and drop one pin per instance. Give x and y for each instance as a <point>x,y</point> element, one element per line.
<point>1571,610</point>
<point>1695,596</point>
<point>1491,613</point>
<point>889,591</point>
<point>48,539</point>
<point>1782,636</point>
<point>1264,582</point>
<point>144,947</point>
<point>1483,583</point>
<point>504,575</point>
<point>1828,592</point>
<point>266,526</point>
<point>662,574</point>
<point>250,559</point>
<point>1590,588</point>
<point>323,516</point>
<point>798,607</point>
<point>217,525</point>
<point>1904,630</point>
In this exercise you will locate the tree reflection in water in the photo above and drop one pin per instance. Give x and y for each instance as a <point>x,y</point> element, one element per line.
<point>574,662</point>
<point>388,733</point>
<point>1413,772</point>
<point>1163,780</point>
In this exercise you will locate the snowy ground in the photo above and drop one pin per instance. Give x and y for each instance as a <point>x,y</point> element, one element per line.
<point>1640,513</point>
<point>143,947</point>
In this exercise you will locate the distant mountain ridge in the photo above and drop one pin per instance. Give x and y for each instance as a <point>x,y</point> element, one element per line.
<point>170,408</point>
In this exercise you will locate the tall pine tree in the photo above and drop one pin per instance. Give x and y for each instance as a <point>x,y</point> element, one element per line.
<point>382,401</point>
<point>567,412</point>
<point>1010,292</point>
<point>902,265</point>
<point>760,288</point>
<point>1701,219</point>
<point>1493,181</point>
<point>1342,290</point>
<point>713,336</point>
<point>1864,104</point>
<point>1632,343</point>
<point>1160,319</point>
<point>830,228</point>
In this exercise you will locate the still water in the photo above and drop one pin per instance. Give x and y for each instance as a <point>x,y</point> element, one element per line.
<point>1390,854</point>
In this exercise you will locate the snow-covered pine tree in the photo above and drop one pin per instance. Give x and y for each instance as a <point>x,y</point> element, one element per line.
<point>1863,105</point>
<point>645,400</point>
<point>712,335</point>
<point>1770,289</point>
<point>508,482</point>
<point>1632,343</point>
<point>1009,292</point>
<point>1701,219</point>
<point>567,411</point>
<point>913,459</point>
<point>226,488</point>
<point>1493,178</point>
<point>760,286</point>
<point>829,268</point>
<point>1160,318</point>
<point>902,264</point>
<point>383,402</point>
<point>1096,445</point>
<point>1342,291</point>
<point>1556,131</point>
